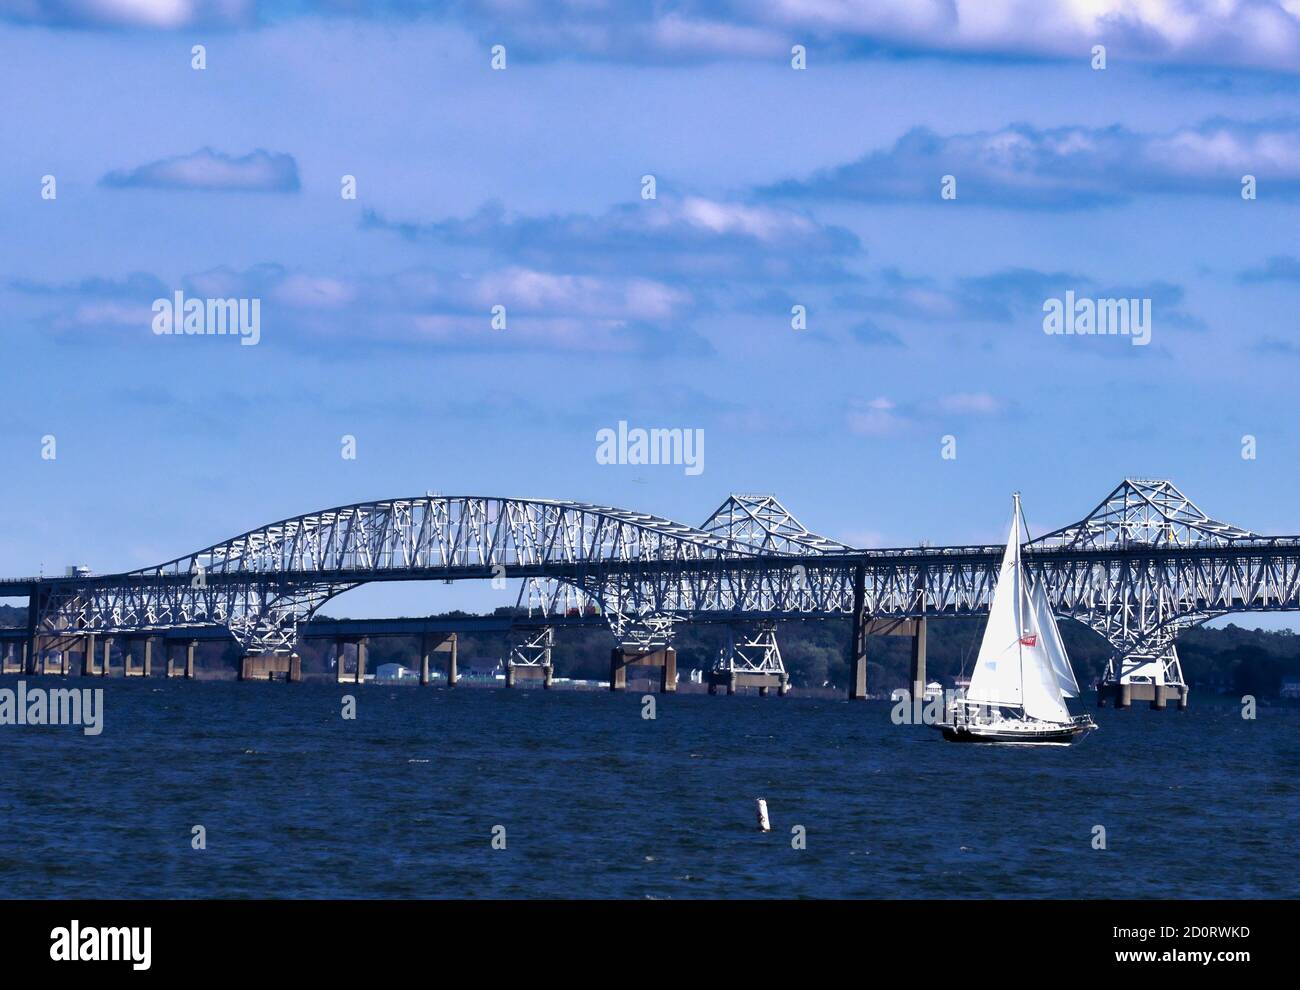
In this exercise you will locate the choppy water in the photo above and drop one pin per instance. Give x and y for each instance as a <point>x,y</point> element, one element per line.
<point>599,802</point>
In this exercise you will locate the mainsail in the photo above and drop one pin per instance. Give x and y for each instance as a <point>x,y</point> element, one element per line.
<point>996,678</point>
<point>1014,667</point>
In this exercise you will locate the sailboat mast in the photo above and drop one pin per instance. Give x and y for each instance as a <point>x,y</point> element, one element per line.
<point>1020,599</point>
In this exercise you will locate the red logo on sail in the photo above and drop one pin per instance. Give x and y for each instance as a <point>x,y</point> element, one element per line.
<point>1029,640</point>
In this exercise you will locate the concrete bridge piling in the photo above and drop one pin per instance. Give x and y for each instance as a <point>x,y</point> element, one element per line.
<point>340,658</point>
<point>519,672</point>
<point>174,667</point>
<point>733,679</point>
<point>129,649</point>
<point>265,668</point>
<point>863,629</point>
<point>622,657</point>
<point>88,655</point>
<point>1124,693</point>
<point>431,643</point>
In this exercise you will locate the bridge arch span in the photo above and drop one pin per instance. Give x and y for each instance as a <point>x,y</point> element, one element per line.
<point>437,532</point>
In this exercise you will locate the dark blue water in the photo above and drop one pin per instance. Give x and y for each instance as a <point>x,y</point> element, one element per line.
<point>599,802</point>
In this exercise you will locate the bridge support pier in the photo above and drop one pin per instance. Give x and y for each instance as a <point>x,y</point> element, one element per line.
<point>750,660</point>
<point>108,656</point>
<point>517,672</point>
<point>918,660</point>
<point>430,644</point>
<point>1147,670</point>
<point>128,657</point>
<point>145,645</point>
<point>531,659</point>
<point>863,631</point>
<point>622,657</point>
<point>858,648</point>
<point>37,662</point>
<point>340,660</point>
<point>88,655</point>
<point>174,666</point>
<point>733,679</point>
<point>1157,695</point>
<point>266,666</point>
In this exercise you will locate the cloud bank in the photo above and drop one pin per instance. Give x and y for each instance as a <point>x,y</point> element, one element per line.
<point>1251,34</point>
<point>687,237</point>
<point>212,171</point>
<point>451,311</point>
<point>1021,166</point>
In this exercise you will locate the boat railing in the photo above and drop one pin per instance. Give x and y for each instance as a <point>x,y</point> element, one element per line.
<point>968,712</point>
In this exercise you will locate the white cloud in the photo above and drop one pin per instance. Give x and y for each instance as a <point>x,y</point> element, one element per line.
<point>1067,167</point>
<point>577,295</point>
<point>695,238</point>
<point>762,223</point>
<point>971,403</point>
<point>883,417</point>
<point>209,170</point>
<point>161,15</point>
<point>1259,34</point>
<point>877,417</point>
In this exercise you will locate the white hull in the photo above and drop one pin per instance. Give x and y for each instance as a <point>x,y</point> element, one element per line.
<point>1017,732</point>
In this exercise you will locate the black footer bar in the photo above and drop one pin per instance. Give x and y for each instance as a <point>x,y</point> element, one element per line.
<point>337,939</point>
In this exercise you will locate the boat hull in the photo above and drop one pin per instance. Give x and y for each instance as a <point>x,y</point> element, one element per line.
<point>1046,735</point>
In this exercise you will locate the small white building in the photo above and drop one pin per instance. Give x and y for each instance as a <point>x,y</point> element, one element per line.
<point>394,672</point>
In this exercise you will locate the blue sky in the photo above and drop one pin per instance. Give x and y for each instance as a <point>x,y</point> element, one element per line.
<point>522,188</point>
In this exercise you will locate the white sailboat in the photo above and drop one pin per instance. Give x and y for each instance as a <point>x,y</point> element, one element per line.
<point>1022,675</point>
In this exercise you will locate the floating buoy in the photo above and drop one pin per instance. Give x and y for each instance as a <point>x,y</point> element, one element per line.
<point>763,823</point>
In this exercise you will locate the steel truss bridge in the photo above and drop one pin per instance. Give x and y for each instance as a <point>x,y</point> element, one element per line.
<point>1143,564</point>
